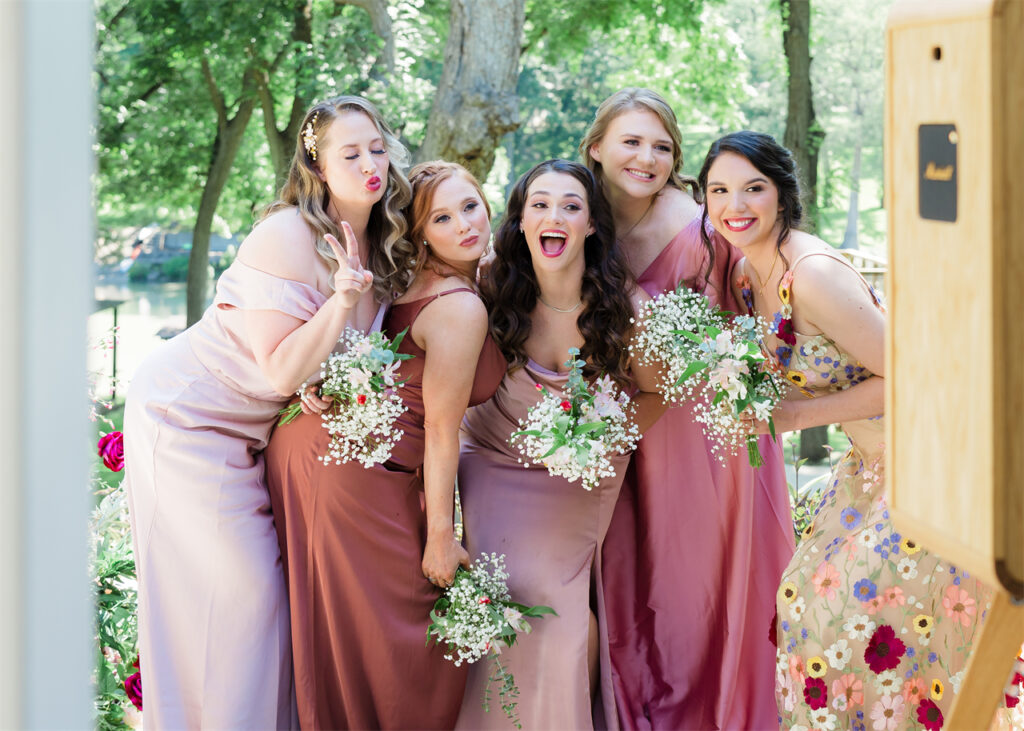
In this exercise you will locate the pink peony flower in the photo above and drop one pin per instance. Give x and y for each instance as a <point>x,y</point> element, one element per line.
<point>133,687</point>
<point>959,605</point>
<point>826,579</point>
<point>111,448</point>
<point>566,406</point>
<point>850,687</point>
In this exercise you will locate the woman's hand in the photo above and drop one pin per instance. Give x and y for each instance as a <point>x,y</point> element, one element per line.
<point>784,415</point>
<point>311,402</point>
<point>442,555</point>
<point>351,280</point>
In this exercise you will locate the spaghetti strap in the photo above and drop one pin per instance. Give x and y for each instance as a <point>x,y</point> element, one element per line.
<point>842,260</point>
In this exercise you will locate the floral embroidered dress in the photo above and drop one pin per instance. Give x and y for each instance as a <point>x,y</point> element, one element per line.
<point>873,631</point>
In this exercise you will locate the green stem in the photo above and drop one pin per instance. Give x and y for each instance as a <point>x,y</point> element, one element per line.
<point>753,452</point>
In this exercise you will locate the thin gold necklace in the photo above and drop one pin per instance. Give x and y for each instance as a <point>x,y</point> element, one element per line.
<point>763,283</point>
<point>649,207</point>
<point>559,309</point>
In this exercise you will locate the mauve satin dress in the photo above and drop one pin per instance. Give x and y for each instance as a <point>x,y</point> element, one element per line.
<point>352,539</point>
<point>213,613</point>
<point>550,531</point>
<point>693,557</point>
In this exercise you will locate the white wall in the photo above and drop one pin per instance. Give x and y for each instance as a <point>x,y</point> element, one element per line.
<point>46,231</point>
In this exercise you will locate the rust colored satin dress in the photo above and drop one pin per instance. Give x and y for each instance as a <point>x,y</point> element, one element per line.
<point>352,540</point>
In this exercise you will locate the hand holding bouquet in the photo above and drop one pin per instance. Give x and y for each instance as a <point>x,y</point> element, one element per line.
<point>475,618</point>
<point>713,360</point>
<point>576,436</point>
<point>362,382</point>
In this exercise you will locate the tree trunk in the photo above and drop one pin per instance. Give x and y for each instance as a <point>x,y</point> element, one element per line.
<point>852,214</point>
<point>476,102</point>
<point>813,442</point>
<point>803,135</point>
<point>225,149</point>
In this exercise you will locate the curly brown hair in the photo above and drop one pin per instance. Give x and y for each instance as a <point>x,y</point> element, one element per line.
<point>511,290</point>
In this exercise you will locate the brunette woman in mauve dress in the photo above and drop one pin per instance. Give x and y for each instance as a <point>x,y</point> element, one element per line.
<point>366,550</point>
<point>213,615</point>
<point>557,281</point>
<point>695,548</point>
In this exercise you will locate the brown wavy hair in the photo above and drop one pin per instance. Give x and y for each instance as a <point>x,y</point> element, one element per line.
<point>391,254</point>
<point>511,290</point>
<point>425,179</point>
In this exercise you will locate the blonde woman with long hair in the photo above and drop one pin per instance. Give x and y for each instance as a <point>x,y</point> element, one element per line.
<point>695,548</point>
<point>213,614</point>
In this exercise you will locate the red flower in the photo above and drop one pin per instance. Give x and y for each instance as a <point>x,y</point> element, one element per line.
<point>929,715</point>
<point>111,448</point>
<point>1011,700</point>
<point>566,406</point>
<point>133,687</point>
<point>785,332</point>
<point>361,399</point>
<point>884,650</point>
<point>815,693</point>
<point>484,600</point>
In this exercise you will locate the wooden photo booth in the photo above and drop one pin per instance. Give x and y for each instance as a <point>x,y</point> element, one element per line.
<point>954,184</point>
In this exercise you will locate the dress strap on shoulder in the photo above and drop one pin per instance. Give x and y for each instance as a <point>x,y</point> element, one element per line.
<point>456,289</point>
<point>842,260</point>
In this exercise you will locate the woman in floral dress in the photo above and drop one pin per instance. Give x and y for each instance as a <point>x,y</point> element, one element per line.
<point>872,630</point>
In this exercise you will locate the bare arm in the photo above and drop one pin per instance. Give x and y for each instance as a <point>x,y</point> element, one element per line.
<point>830,298</point>
<point>451,330</point>
<point>287,349</point>
<point>650,405</point>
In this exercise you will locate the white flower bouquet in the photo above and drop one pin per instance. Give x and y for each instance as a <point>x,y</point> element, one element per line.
<point>363,382</point>
<point>713,359</point>
<point>576,435</point>
<point>476,618</point>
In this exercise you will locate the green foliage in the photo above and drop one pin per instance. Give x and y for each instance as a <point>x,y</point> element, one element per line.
<point>139,272</point>
<point>176,269</point>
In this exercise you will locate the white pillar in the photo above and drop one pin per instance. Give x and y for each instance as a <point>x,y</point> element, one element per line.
<point>46,238</point>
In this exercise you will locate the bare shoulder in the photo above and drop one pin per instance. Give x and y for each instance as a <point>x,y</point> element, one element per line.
<point>282,244</point>
<point>819,280</point>
<point>637,297</point>
<point>673,210</point>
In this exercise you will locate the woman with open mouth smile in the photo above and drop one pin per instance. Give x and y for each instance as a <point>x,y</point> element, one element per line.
<point>557,281</point>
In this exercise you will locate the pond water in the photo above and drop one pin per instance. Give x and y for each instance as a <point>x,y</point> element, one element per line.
<point>143,310</point>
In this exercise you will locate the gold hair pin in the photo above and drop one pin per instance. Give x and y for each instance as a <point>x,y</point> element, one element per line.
<point>309,137</point>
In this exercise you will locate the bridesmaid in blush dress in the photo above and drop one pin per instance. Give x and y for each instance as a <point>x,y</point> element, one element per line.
<point>361,544</point>
<point>557,281</point>
<point>213,614</point>
<point>695,549</point>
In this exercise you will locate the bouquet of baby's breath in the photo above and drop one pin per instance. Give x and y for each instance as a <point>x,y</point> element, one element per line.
<point>362,380</point>
<point>476,617</point>
<point>576,435</point>
<point>714,359</point>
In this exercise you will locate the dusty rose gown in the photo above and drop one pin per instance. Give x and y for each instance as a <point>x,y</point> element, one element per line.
<point>352,540</point>
<point>693,557</point>
<point>550,531</point>
<point>213,613</point>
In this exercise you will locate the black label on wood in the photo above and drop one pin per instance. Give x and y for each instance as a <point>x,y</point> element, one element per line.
<point>936,171</point>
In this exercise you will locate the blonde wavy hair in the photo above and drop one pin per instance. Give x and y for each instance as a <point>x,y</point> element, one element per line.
<point>391,257</point>
<point>426,178</point>
<point>626,100</point>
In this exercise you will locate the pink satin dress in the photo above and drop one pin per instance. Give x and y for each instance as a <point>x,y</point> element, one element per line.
<point>550,531</point>
<point>693,557</point>
<point>352,540</point>
<point>213,612</point>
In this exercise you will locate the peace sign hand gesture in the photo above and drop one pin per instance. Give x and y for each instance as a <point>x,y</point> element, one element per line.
<point>351,280</point>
